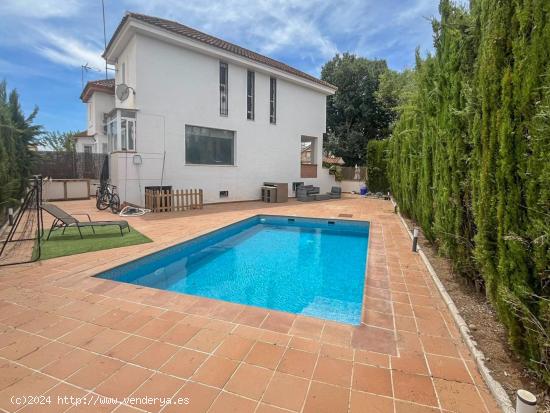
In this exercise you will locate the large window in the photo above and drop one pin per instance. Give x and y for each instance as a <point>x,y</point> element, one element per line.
<point>207,146</point>
<point>224,76</point>
<point>272,100</point>
<point>250,85</point>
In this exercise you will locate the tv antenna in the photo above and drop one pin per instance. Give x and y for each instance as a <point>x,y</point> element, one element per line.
<point>104,36</point>
<point>85,68</point>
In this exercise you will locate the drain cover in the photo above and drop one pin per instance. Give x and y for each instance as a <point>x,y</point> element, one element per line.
<point>345,215</point>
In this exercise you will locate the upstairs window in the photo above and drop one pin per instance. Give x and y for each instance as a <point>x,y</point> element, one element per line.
<point>272,100</point>
<point>124,73</point>
<point>224,109</point>
<point>250,86</point>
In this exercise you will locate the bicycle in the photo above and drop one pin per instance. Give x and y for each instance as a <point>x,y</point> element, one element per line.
<point>106,197</point>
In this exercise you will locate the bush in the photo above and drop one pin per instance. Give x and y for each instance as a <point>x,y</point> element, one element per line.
<point>377,160</point>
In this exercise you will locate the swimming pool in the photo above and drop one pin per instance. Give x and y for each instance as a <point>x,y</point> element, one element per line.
<point>309,266</point>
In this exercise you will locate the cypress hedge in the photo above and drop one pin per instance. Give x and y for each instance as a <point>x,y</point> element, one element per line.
<point>469,158</point>
<point>377,158</point>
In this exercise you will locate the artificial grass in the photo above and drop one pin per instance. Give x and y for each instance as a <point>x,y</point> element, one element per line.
<point>60,245</point>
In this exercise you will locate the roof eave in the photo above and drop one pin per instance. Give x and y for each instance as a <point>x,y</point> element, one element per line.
<point>130,25</point>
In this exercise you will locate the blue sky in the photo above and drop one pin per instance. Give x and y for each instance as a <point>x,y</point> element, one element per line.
<point>43,43</point>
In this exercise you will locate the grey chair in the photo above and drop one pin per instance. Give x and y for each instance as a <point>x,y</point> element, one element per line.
<point>306,193</point>
<point>335,192</point>
<point>64,220</point>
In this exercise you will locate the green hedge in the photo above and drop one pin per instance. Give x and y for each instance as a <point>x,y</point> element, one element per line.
<point>470,158</point>
<point>377,158</point>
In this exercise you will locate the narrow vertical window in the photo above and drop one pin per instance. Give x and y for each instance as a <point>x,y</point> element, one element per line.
<point>272,100</point>
<point>123,72</point>
<point>250,95</point>
<point>223,89</point>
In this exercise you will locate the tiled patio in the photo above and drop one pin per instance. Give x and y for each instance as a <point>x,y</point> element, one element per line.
<point>65,333</point>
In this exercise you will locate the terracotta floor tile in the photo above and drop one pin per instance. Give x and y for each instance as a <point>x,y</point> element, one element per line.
<point>251,316</point>
<point>372,379</point>
<point>449,368</point>
<point>439,345</point>
<point>69,363</point>
<point>234,347</point>
<point>405,323</point>
<point>338,335</point>
<point>458,397</point>
<point>11,373</point>
<point>405,407</point>
<point>307,327</point>
<point>59,397</point>
<point>34,384</point>
<point>414,388</point>
<point>333,371</point>
<point>305,344</point>
<point>265,355</point>
<point>371,358</point>
<point>286,391</point>
<point>374,339</point>
<point>279,322</point>
<point>410,362</point>
<point>123,382</point>
<point>134,322</point>
<point>200,398</point>
<point>337,352</point>
<point>155,328</point>
<point>25,344</point>
<point>179,334</point>
<point>403,309</point>
<point>184,363</point>
<point>378,319</point>
<point>45,355</point>
<point>215,371</point>
<point>267,408</point>
<point>408,342</point>
<point>104,341</point>
<point>129,348</point>
<point>230,403</point>
<point>364,402</point>
<point>95,372</point>
<point>249,381</point>
<point>155,355</point>
<point>206,340</point>
<point>160,387</point>
<point>273,337</point>
<point>81,335</point>
<point>298,363</point>
<point>324,398</point>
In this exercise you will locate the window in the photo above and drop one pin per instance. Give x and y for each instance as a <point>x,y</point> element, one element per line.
<point>224,109</point>
<point>121,130</point>
<point>90,113</point>
<point>207,146</point>
<point>250,85</point>
<point>272,100</point>
<point>123,73</point>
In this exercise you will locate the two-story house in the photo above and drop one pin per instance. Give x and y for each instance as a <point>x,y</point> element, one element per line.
<point>205,113</point>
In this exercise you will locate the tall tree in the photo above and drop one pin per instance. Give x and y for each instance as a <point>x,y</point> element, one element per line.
<point>354,116</point>
<point>17,133</point>
<point>59,141</point>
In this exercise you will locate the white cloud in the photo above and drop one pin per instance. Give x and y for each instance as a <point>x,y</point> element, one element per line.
<point>68,51</point>
<point>39,9</point>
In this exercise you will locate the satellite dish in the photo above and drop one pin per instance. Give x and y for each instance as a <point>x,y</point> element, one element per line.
<point>122,92</point>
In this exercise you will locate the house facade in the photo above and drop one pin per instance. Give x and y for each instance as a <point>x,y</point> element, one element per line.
<point>200,112</point>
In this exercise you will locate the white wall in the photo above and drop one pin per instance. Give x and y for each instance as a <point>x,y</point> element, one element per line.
<point>99,103</point>
<point>177,87</point>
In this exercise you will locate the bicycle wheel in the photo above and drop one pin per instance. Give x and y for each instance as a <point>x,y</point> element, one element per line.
<point>102,200</point>
<point>115,204</point>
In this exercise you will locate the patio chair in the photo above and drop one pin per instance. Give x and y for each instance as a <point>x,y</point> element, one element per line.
<point>306,193</point>
<point>65,220</point>
<point>335,192</point>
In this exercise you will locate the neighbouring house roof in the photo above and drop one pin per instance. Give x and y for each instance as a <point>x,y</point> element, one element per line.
<point>190,33</point>
<point>83,134</point>
<point>102,85</point>
<point>333,160</point>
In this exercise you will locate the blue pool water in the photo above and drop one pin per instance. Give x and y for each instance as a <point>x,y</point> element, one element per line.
<point>313,267</point>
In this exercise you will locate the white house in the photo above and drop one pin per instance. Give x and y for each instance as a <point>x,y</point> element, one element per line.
<point>204,113</point>
<point>99,96</point>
